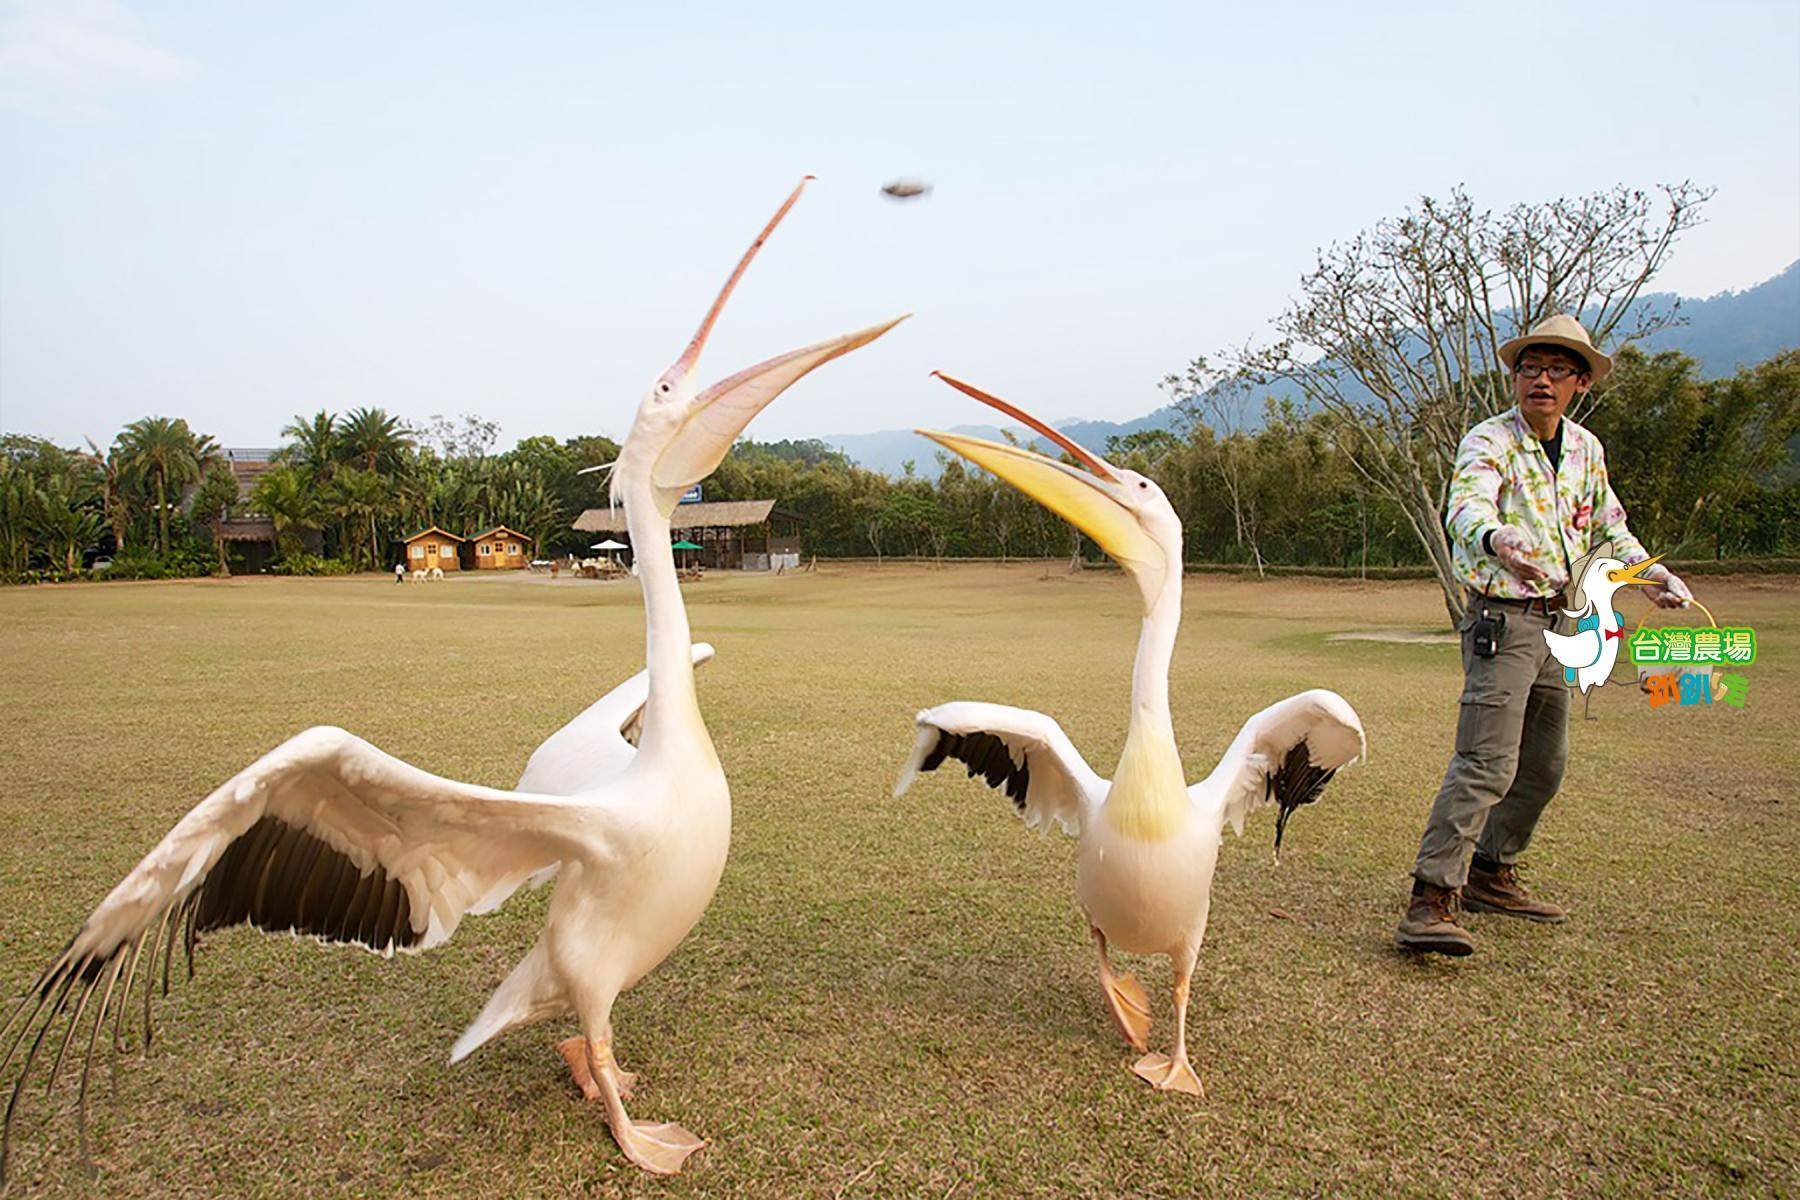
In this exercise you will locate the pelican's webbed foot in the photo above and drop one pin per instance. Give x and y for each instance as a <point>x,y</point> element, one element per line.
<point>1130,1009</point>
<point>660,1149</point>
<point>1168,1075</point>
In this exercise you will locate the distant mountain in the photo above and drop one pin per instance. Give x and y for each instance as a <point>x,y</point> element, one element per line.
<point>889,450</point>
<point>1722,332</point>
<point>1736,329</point>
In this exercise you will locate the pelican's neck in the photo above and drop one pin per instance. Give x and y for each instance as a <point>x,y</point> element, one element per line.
<point>1148,796</point>
<point>672,707</point>
<point>1156,647</point>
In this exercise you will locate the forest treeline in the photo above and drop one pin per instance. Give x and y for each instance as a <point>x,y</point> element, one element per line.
<point>1706,468</point>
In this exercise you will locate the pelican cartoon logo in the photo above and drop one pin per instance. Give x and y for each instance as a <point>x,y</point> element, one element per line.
<point>1588,654</point>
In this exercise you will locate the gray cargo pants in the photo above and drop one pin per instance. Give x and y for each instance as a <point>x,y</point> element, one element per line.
<point>1512,739</point>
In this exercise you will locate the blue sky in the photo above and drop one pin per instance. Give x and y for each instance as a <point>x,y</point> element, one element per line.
<point>238,212</point>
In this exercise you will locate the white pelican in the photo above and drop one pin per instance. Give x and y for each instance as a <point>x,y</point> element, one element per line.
<point>1148,843</point>
<point>326,835</point>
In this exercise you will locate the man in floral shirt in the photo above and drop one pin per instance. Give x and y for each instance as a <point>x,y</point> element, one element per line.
<point>1529,497</point>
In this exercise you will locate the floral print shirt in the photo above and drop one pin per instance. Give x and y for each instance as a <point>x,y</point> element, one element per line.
<point>1504,477</point>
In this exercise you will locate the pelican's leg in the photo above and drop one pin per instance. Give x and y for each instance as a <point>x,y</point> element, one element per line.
<point>660,1149</point>
<point>574,1052</point>
<point>1125,998</point>
<point>1174,1074</point>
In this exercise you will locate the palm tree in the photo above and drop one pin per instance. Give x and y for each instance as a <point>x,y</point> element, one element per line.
<point>165,452</point>
<point>291,503</point>
<point>312,445</point>
<point>532,509</point>
<point>213,502</point>
<point>374,441</point>
<point>66,530</point>
<point>114,502</point>
<point>15,508</point>
<point>361,498</point>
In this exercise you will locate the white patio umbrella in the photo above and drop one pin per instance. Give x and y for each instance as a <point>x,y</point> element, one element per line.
<point>609,545</point>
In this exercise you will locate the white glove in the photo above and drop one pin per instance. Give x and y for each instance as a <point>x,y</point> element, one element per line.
<point>1511,549</point>
<point>1668,591</point>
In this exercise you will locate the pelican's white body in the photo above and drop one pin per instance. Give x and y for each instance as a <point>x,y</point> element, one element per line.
<point>1149,897</point>
<point>626,806</point>
<point>1148,843</point>
<point>661,832</point>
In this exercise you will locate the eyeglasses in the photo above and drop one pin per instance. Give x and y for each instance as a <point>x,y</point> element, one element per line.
<point>1556,371</point>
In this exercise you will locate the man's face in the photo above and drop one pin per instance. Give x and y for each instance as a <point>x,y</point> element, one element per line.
<point>1541,396</point>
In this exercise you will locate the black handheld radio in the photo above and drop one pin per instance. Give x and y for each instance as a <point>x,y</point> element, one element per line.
<point>1487,632</point>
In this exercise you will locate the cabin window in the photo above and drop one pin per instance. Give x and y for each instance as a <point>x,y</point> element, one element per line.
<point>418,552</point>
<point>512,548</point>
<point>484,549</point>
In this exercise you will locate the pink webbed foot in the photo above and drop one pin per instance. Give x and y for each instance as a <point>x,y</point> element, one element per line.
<point>660,1149</point>
<point>1168,1075</point>
<point>1130,1009</point>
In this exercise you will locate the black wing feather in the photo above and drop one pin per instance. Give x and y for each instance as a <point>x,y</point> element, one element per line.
<point>274,876</point>
<point>1294,783</point>
<point>984,755</point>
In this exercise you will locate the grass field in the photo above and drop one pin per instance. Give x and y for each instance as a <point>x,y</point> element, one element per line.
<point>897,998</point>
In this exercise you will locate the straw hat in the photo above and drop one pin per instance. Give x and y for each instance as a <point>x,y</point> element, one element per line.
<point>1566,332</point>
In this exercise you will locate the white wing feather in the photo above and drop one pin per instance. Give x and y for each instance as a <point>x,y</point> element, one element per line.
<point>599,743</point>
<point>1046,776</point>
<point>454,847</point>
<point>1320,718</point>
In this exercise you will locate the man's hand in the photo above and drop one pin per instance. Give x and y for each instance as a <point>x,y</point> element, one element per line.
<point>1667,592</point>
<point>1511,550</point>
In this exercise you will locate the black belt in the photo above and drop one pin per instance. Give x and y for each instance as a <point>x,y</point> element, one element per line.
<point>1549,606</point>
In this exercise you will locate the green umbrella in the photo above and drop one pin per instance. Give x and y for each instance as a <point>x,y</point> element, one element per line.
<point>685,545</point>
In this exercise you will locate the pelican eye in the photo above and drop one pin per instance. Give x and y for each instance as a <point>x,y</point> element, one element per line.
<point>1144,483</point>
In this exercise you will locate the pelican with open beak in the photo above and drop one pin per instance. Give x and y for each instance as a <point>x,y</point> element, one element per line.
<point>626,807</point>
<point>1147,842</point>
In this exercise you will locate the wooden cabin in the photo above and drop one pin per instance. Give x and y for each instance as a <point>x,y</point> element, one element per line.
<point>502,549</point>
<point>433,547</point>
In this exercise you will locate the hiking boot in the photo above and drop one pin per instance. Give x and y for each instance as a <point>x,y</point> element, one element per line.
<point>1499,890</point>
<point>1430,923</point>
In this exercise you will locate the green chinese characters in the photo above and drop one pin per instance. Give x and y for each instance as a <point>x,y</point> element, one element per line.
<point>1733,646</point>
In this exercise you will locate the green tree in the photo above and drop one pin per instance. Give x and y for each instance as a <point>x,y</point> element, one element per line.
<point>213,501</point>
<point>361,498</point>
<point>164,455</point>
<point>312,445</point>
<point>1395,334</point>
<point>1688,454</point>
<point>371,440</point>
<point>291,503</point>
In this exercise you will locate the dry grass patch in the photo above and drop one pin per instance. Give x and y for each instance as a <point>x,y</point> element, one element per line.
<point>896,998</point>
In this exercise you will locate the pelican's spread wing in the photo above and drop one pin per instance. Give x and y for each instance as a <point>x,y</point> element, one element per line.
<point>1285,754</point>
<point>1022,752</point>
<point>599,743</point>
<point>326,836</point>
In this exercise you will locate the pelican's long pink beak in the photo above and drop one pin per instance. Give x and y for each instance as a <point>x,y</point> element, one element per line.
<point>721,412</point>
<point>691,356</point>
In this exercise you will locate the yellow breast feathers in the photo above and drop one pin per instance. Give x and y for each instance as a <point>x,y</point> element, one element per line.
<point>1149,799</point>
